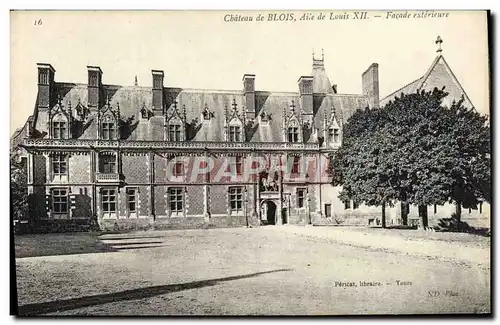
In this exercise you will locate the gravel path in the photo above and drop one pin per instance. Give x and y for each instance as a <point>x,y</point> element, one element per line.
<point>240,271</point>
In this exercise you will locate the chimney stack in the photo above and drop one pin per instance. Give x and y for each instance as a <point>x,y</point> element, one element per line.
<point>306,94</point>
<point>94,88</point>
<point>369,80</point>
<point>46,75</point>
<point>249,91</point>
<point>157,92</point>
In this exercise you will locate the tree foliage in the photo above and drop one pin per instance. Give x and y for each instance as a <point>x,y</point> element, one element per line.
<point>18,187</point>
<point>415,150</point>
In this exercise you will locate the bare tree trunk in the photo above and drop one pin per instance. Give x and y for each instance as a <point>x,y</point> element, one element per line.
<point>458,214</point>
<point>422,213</point>
<point>404,212</point>
<point>383,215</point>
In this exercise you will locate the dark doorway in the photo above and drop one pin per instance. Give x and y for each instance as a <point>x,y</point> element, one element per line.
<point>284,216</point>
<point>271,213</point>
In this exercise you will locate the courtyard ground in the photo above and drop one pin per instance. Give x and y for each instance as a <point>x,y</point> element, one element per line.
<point>286,270</point>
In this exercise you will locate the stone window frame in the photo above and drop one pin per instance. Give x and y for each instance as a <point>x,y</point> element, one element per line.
<point>59,159</point>
<point>106,192</point>
<point>302,190</point>
<point>175,131</point>
<point>296,165</point>
<point>180,192</point>
<point>135,189</point>
<point>108,130</point>
<point>236,194</point>
<point>234,133</point>
<point>60,129</point>
<point>101,163</point>
<point>293,134</point>
<point>61,198</point>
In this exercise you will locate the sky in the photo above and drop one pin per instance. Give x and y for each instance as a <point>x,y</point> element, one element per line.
<point>200,50</point>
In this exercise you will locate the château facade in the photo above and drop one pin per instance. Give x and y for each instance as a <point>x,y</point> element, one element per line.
<point>135,157</point>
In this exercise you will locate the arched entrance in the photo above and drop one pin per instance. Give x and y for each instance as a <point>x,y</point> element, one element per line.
<point>268,212</point>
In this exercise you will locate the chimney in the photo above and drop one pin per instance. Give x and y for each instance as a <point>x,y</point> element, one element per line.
<point>45,86</point>
<point>369,80</point>
<point>334,88</point>
<point>249,91</point>
<point>157,92</point>
<point>94,88</point>
<point>306,94</point>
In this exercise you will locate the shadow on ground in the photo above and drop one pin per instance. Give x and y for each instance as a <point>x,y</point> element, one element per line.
<point>34,245</point>
<point>133,294</point>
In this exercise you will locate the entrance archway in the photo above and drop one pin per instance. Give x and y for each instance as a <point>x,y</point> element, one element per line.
<point>268,210</point>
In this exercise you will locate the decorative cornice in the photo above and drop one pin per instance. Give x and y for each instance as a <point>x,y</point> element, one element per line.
<point>198,146</point>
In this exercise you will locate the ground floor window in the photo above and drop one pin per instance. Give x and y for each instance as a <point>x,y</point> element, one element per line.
<point>347,204</point>
<point>108,199</point>
<point>301,195</point>
<point>355,205</point>
<point>236,199</point>
<point>132,199</point>
<point>60,200</point>
<point>176,199</point>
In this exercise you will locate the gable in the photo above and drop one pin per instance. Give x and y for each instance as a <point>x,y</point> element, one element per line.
<point>441,75</point>
<point>438,76</point>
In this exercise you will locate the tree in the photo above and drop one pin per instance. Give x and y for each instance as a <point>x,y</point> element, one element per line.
<point>415,150</point>
<point>358,164</point>
<point>471,168</point>
<point>18,187</point>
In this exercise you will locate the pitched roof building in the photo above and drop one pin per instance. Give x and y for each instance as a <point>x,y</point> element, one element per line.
<point>102,154</point>
<point>121,157</point>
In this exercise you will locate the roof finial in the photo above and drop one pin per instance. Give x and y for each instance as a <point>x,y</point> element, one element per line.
<point>322,55</point>
<point>439,41</point>
<point>313,53</point>
<point>135,80</point>
<point>292,106</point>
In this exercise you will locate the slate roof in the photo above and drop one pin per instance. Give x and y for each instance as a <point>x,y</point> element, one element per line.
<point>132,98</point>
<point>438,75</point>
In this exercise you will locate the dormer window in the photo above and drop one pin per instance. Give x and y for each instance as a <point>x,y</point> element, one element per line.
<point>333,135</point>
<point>59,130</point>
<point>207,115</point>
<point>144,112</point>
<point>293,134</point>
<point>264,118</point>
<point>108,131</point>
<point>234,124</point>
<point>174,132</point>
<point>234,133</point>
<point>336,135</point>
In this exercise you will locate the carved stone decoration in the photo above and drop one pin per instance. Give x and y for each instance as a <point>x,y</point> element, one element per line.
<point>292,120</point>
<point>58,114</point>
<point>109,115</point>
<point>234,119</point>
<point>265,117</point>
<point>81,112</point>
<point>145,113</point>
<point>174,117</point>
<point>206,114</point>
<point>332,128</point>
